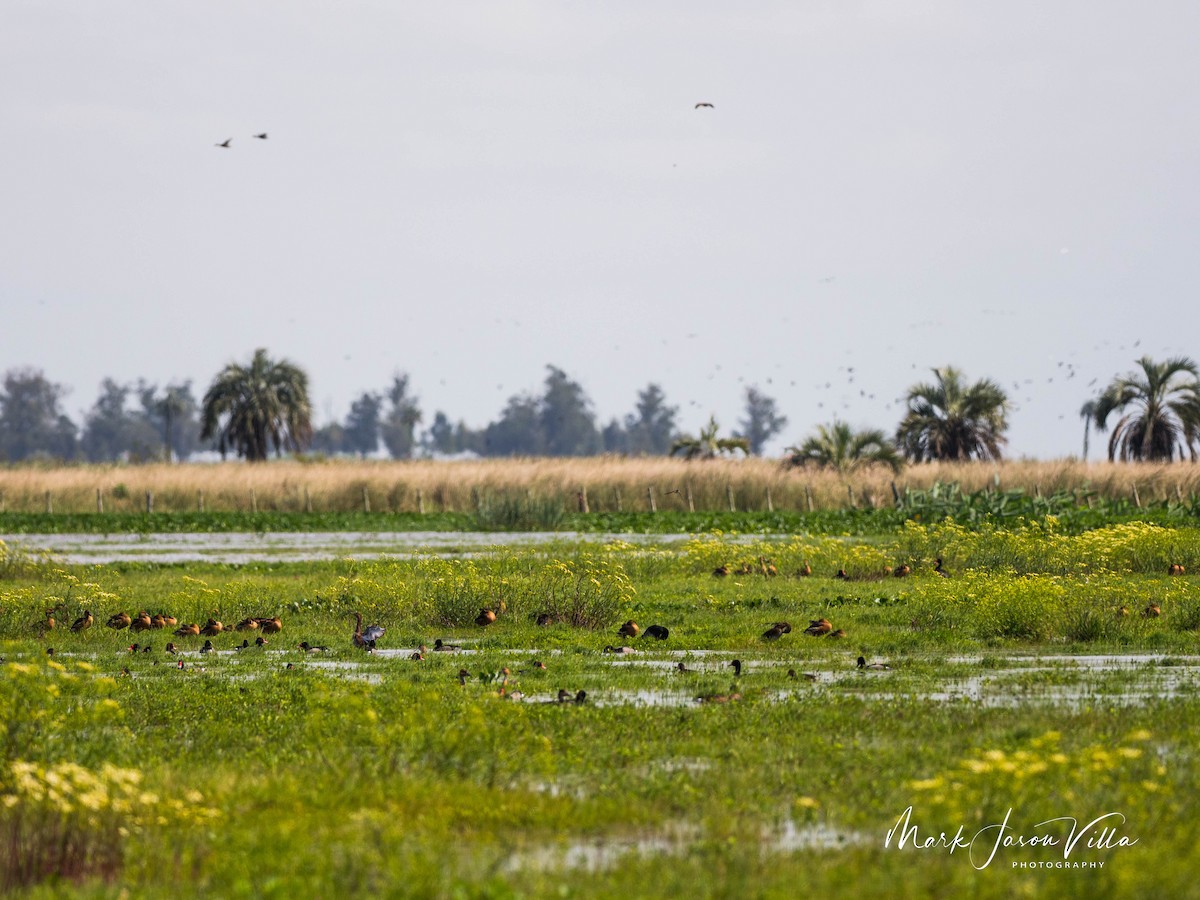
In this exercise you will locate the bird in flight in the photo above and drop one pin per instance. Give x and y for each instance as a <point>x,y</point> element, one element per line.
<point>261,137</point>
<point>225,143</point>
<point>709,105</point>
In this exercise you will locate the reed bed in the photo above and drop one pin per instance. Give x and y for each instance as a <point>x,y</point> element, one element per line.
<point>593,484</point>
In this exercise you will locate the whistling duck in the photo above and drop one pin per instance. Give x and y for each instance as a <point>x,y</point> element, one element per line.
<point>366,639</point>
<point>902,570</point>
<point>168,621</point>
<point>736,665</point>
<point>767,567</point>
<point>247,624</point>
<point>158,621</point>
<point>682,668</point>
<point>721,571</point>
<point>537,664</point>
<point>658,632</point>
<point>270,626</point>
<point>837,633</point>
<point>212,628</point>
<point>818,627</point>
<point>260,641</point>
<point>312,648</point>
<point>841,573</point>
<point>1175,569</point>
<point>445,648</point>
<point>544,619</point>
<point>629,629</point>
<point>50,623</point>
<point>119,621</point>
<point>874,667</point>
<point>141,622</point>
<point>721,698</point>
<point>776,631</point>
<point>486,617</point>
<point>208,647</point>
<point>810,676</point>
<point>611,649</point>
<point>171,648</point>
<point>463,675</point>
<point>84,622</point>
<point>192,630</point>
<point>805,570</point>
<point>938,569</point>
<point>744,569</point>
<point>1152,611</point>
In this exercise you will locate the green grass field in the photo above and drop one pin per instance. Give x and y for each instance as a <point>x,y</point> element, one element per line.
<point>1035,679</point>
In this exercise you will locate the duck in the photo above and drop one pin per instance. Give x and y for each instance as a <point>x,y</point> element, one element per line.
<point>419,654</point>
<point>805,570</point>
<point>312,648</point>
<point>260,641</point>
<point>171,648</point>
<point>810,676</point>
<point>721,698</point>
<point>658,632</point>
<point>818,627</point>
<point>212,628</point>
<point>902,570</point>
<point>736,665</point>
<point>247,624</point>
<point>841,573</point>
<point>486,617</point>
<point>441,647</point>
<point>158,620</point>
<point>463,675</point>
<point>244,645</point>
<point>1175,569</point>
<point>873,667</point>
<point>837,633</point>
<point>565,696</point>
<point>611,649</point>
<point>629,629</point>
<point>938,569</point>
<point>119,621</point>
<point>134,648</point>
<point>544,619</point>
<point>776,631</point>
<point>192,630</point>
<point>536,664</point>
<point>169,621</point>
<point>141,622</point>
<point>681,667</point>
<point>84,622</point>
<point>270,626</point>
<point>721,571</point>
<point>366,639</point>
<point>1152,611</point>
<point>767,567</point>
<point>49,624</point>
<point>208,647</point>
<point>1122,611</point>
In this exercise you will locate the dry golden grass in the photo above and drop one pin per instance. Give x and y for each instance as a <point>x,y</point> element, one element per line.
<point>610,483</point>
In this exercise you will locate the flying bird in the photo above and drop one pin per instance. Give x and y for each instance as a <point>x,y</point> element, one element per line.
<point>224,143</point>
<point>708,105</point>
<point>261,137</point>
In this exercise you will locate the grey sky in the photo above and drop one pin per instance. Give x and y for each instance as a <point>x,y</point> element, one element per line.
<point>469,191</point>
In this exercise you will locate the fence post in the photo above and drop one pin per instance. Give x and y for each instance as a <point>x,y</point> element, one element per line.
<point>729,496</point>
<point>366,497</point>
<point>307,500</point>
<point>583,501</point>
<point>99,501</point>
<point>650,496</point>
<point>690,498</point>
<point>770,505</point>
<point>200,501</point>
<point>420,502</point>
<point>896,495</point>
<point>49,506</point>
<point>475,498</point>
<point>149,502</point>
<point>850,494</point>
<point>617,497</point>
<point>808,497</point>
<point>1137,500</point>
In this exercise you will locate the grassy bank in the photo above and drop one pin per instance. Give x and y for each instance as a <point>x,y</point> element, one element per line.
<point>610,485</point>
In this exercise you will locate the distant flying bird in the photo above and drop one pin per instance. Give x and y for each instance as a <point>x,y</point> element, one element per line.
<point>261,137</point>
<point>708,105</point>
<point>224,144</point>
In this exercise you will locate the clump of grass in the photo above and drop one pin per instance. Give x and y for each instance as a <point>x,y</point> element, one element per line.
<point>518,513</point>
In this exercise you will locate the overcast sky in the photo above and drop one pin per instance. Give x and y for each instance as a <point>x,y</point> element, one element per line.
<point>469,191</point>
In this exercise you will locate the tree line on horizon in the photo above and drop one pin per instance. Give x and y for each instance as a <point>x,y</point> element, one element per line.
<point>252,411</point>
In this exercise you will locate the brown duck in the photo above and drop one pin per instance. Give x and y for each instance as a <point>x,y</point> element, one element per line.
<point>486,617</point>
<point>629,629</point>
<point>84,622</point>
<point>818,627</point>
<point>119,621</point>
<point>192,630</point>
<point>212,628</point>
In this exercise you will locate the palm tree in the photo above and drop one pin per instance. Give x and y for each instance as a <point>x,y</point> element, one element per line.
<point>840,447</point>
<point>707,445</point>
<point>951,420</point>
<point>1160,409</point>
<point>1087,412</point>
<point>247,409</point>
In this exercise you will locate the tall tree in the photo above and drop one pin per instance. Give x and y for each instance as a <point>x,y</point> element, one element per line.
<point>400,423</point>
<point>32,423</point>
<point>1160,411</point>
<point>708,444</point>
<point>361,432</point>
<point>112,431</point>
<point>518,431</point>
<point>1087,412</point>
<point>651,429</point>
<point>175,415</point>
<point>948,419</point>
<point>840,447</point>
<point>762,420</point>
<point>566,418</point>
<point>251,409</point>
